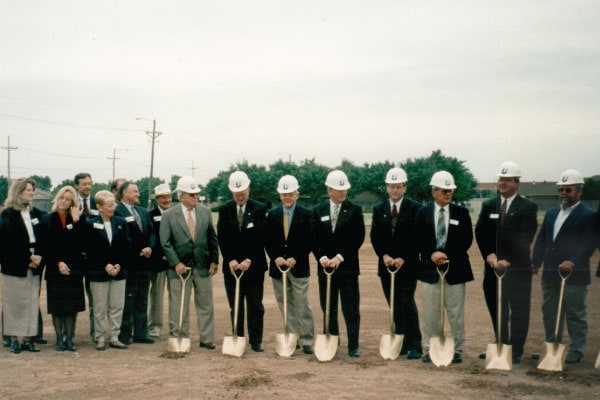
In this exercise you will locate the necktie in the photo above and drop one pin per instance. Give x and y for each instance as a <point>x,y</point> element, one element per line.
<point>84,206</point>
<point>441,229</point>
<point>191,223</point>
<point>137,218</point>
<point>286,223</point>
<point>394,215</point>
<point>503,211</point>
<point>334,217</point>
<point>240,216</point>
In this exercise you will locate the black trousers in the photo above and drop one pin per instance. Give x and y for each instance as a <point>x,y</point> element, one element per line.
<point>516,305</point>
<point>135,311</point>
<point>346,288</point>
<point>406,316</point>
<point>251,295</point>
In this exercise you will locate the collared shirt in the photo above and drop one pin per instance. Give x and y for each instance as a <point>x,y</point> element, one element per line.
<point>290,213</point>
<point>561,217</point>
<point>398,204</point>
<point>128,206</point>
<point>186,211</point>
<point>509,201</point>
<point>28,224</point>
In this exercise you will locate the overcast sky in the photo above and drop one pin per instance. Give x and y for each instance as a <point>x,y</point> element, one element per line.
<point>226,81</point>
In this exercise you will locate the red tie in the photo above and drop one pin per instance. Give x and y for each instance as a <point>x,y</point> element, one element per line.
<point>394,211</point>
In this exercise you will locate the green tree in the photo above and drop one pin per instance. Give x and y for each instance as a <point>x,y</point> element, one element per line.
<point>3,189</point>
<point>42,182</point>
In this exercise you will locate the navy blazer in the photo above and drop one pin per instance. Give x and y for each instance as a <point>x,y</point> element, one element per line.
<point>157,261</point>
<point>15,248</point>
<point>349,235</point>
<point>63,244</point>
<point>101,252</point>
<point>139,238</point>
<point>247,242</point>
<point>297,245</point>
<point>574,242</point>
<point>93,209</point>
<point>459,239</point>
<point>395,241</point>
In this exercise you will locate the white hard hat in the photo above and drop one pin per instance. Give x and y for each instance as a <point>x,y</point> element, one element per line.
<point>396,175</point>
<point>337,180</point>
<point>162,189</point>
<point>443,180</point>
<point>287,184</point>
<point>570,177</point>
<point>238,181</point>
<point>509,169</point>
<point>187,184</point>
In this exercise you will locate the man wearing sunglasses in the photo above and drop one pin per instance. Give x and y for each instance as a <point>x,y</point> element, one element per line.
<point>566,242</point>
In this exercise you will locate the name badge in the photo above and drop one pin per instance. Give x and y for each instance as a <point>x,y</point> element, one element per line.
<point>98,225</point>
<point>494,216</point>
<point>130,219</point>
<point>250,225</point>
<point>157,218</point>
<point>453,222</point>
<point>325,218</point>
<point>95,212</point>
<point>35,221</point>
<point>70,226</point>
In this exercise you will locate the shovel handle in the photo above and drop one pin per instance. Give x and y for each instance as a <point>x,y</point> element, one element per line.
<point>442,269</point>
<point>183,282</point>
<point>391,269</point>
<point>500,272</point>
<point>283,269</point>
<point>328,270</point>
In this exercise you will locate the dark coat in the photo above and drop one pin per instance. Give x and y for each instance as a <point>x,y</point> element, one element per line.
<point>15,248</point>
<point>157,260</point>
<point>139,238</point>
<point>63,244</point>
<point>102,252</point>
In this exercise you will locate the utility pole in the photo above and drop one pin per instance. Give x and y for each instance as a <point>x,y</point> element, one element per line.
<point>114,158</point>
<point>193,168</point>
<point>8,149</point>
<point>153,135</point>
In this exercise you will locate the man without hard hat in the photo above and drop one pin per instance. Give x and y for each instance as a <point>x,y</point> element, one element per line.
<point>504,232</point>
<point>241,230</point>
<point>189,242</point>
<point>392,238</point>
<point>563,247</point>
<point>338,233</point>
<point>288,245</point>
<point>443,235</point>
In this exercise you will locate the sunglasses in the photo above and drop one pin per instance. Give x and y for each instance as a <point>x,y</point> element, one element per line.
<point>566,190</point>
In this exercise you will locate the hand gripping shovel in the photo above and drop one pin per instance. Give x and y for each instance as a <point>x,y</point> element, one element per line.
<point>285,343</point>
<point>235,345</point>
<point>180,344</point>
<point>441,349</point>
<point>390,344</point>
<point>556,352</point>
<point>326,345</point>
<point>498,355</point>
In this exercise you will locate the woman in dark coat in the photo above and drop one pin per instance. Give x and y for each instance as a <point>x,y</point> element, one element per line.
<point>62,248</point>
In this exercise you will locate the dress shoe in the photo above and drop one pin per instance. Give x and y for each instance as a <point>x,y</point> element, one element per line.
<point>69,345</point>
<point>482,356</point>
<point>125,340</point>
<point>144,340</point>
<point>40,340</point>
<point>426,358</point>
<point>100,346</point>
<point>403,352</point>
<point>414,354</point>
<point>208,346</point>
<point>573,358</point>
<point>257,347</point>
<point>60,345</point>
<point>457,359</point>
<point>15,347</point>
<point>307,349</point>
<point>30,346</point>
<point>354,353</point>
<point>118,345</point>
<point>6,341</point>
<point>516,359</point>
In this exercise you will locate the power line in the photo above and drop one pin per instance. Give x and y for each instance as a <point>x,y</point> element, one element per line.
<point>46,121</point>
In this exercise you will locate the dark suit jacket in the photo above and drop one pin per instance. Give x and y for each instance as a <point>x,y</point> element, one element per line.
<point>297,245</point>
<point>178,245</point>
<point>512,240</point>
<point>139,238</point>
<point>249,242</point>
<point>93,209</point>
<point>346,240</point>
<point>459,239</point>
<point>101,252</point>
<point>395,241</point>
<point>574,242</point>
<point>63,244</point>
<point>14,242</point>
<point>157,261</point>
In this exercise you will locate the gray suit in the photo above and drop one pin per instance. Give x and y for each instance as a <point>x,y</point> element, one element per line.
<point>198,254</point>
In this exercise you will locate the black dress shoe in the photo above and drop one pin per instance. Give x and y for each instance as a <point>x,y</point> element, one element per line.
<point>60,345</point>
<point>6,342</point>
<point>257,347</point>
<point>15,347</point>
<point>573,358</point>
<point>40,340</point>
<point>414,354</point>
<point>516,360</point>
<point>144,340</point>
<point>482,356</point>
<point>30,346</point>
<point>457,359</point>
<point>307,349</point>
<point>426,358</point>
<point>69,345</point>
<point>354,353</point>
<point>208,346</point>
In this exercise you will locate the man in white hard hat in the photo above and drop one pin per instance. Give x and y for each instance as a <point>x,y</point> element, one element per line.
<point>504,232</point>
<point>338,233</point>
<point>565,243</point>
<point>288,245</point>
<point>443,234</point>
<point>392,238</point>
<point>241,230</point>
<point>190,244</point>
<point>158,263</point>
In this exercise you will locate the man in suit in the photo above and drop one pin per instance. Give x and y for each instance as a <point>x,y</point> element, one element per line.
<point>288,246</point>
<point>338,233</point>
<point>565,243</point>
<point>189,240</point>
<point>241,230</point>
<point>134,327</point>
<point>158,263</point>
<point>443,234</point>
<point>392,238</point>
<point>504,231</point>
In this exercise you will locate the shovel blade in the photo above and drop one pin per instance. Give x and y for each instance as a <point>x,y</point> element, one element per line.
<point>234,346</point>
<point>441,351</point>
<point>326,347</point>
<point>177,345</point>
<point>597,365</point>
<point>285,344</point>
<point>498,357</point>
<point>554,357</point>
<point>390,346</point>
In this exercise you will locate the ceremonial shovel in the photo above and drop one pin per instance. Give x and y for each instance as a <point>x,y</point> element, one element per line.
<point>441,349</point>
<point>390,344</point>
<point>285,343</point>
<point>499,355</point>
<point>235,345</point>
<point>326,345</point>
<point>179,344</point>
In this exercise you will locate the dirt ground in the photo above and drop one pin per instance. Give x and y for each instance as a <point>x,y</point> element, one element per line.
<point>140,372</point>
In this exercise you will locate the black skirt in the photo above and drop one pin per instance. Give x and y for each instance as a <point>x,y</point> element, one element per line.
<point>65,296</point>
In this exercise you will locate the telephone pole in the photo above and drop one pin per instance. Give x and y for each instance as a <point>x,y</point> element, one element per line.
<point>153,135</point>
<point>8,149</point>
<point>193,168</point>
<point>114,158</point>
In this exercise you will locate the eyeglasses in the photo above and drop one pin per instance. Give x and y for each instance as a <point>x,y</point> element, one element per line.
<point>566,190</point>
<point>193,194</point>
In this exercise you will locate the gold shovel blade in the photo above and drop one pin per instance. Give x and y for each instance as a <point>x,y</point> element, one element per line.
<point>597,365</point>
<point>554,357</point>
<point>177,345</point>
<point>390,346</point>
<point>498,357</point>
<point>441,351</point>
<point>234,346</point>
<point>325,347</point>
<point>285,344</point>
